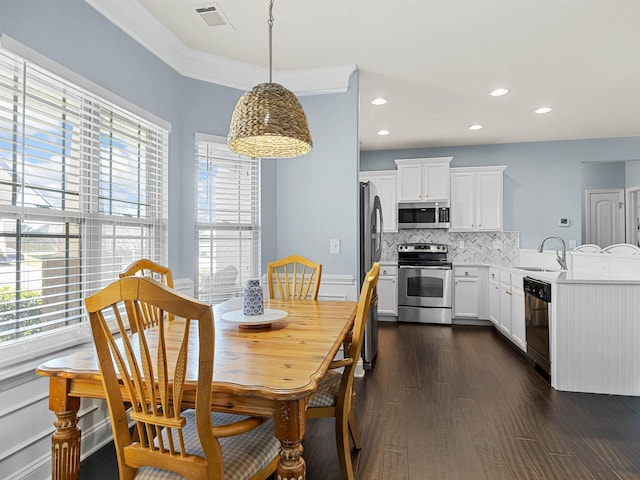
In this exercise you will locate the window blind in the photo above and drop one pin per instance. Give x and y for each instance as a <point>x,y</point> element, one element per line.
<point>227,220</point>
<point>83,193</point>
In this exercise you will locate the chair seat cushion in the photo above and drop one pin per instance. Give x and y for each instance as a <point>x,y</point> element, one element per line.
<point>328,389</point>
<point>243,455</point>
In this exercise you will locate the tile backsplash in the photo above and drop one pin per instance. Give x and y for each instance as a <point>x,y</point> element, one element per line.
<point>464,247</point>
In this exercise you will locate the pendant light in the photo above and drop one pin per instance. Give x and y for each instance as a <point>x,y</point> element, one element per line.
<point>268,121</point>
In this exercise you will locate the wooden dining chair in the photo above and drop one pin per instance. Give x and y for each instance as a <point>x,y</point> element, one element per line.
<point>335,396</point>
<point>148,268</point>
<point>151,368</point>
<point>295,277</point>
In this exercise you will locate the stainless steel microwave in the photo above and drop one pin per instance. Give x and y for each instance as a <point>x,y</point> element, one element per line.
<point>423,215</point>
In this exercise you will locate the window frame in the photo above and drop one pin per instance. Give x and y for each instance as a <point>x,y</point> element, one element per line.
<point>254,227</point>
<point>61,338</point>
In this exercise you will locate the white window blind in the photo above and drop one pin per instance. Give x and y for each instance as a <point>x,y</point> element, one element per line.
<point>83,192</point>
<point>227,225</point>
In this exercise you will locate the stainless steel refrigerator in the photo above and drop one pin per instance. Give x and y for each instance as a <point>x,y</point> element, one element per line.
<point>370,252</point>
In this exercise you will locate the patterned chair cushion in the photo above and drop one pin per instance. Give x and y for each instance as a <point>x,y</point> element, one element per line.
<point>327,393</point>
<point>243,455</point>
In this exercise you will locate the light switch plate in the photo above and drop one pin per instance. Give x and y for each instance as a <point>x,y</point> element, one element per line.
<point>334,246</point>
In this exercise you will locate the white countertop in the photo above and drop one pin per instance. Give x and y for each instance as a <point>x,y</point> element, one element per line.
<point>558,276</point>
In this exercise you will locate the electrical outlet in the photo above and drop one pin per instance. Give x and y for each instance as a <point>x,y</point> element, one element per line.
<point>334,245</point>
<point>461,244</point>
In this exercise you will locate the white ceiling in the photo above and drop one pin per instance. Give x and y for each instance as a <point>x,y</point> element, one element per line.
<point>437,60</point>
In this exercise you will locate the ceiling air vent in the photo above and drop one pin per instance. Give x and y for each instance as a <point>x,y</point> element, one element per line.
<point>212,15</point>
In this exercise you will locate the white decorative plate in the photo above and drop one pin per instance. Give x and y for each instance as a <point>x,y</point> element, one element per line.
<point>269,316</point>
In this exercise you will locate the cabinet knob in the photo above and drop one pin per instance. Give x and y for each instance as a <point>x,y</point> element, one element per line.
<point>466,274</point>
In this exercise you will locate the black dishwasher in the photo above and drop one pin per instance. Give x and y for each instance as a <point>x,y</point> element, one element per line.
<point>537,297</point>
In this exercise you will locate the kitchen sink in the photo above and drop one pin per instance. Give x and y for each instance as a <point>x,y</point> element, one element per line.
<point>538,269</point>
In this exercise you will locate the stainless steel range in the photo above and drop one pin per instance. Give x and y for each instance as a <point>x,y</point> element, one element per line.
<point>424,283</point>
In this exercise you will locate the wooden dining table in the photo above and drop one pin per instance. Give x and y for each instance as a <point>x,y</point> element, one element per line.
<point>267,371</point>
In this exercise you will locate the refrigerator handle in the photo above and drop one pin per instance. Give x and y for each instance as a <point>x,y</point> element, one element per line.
<point>377,227</point>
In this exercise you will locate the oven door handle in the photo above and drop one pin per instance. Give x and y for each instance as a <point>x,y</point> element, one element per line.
<point>418,267</point>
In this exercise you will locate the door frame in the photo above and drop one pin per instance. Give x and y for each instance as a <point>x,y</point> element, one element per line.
<point>632,204</point>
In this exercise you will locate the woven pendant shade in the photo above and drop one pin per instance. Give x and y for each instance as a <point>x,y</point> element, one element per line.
<point>268,122</point>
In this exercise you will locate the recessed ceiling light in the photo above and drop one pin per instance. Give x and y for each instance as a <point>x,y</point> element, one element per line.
<point>383,132</point>
<point>379,101</point>
<point>477,126</point>
<point>498,92</point>
<point>543,110</point>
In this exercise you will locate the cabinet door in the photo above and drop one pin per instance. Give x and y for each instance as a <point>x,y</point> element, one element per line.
<point>387,295</point>
<point>387,189</point>
<point>387,186</point>
<point>462,201</point>
<point>466,297</point>
<point>505,309</point>
<point>494,303</point>
<point>436,181</point>
<point>518,329</point>
<point>489,200</point>
<point>410,183</point>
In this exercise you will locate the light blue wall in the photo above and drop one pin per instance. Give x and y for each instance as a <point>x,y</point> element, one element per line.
<point>632,174</point>
<point>603,175</point>
<point>317,194</point>
<point>542,181</point>
<point>315,198</point>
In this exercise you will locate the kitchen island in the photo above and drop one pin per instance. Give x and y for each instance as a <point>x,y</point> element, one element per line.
<point>594,330</point>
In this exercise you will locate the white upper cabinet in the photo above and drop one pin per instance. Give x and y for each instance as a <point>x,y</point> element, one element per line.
<point>476,199</point>
<point>386,182</point>
<point>423,179</point>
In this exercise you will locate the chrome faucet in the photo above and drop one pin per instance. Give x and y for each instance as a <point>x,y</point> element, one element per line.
<point>562,259</point>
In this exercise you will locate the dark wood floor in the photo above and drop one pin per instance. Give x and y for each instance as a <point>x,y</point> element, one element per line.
<point>448,403</point>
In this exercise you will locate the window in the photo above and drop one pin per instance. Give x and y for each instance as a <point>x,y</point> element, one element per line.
<point>83,187</point>
<point>227,220</point>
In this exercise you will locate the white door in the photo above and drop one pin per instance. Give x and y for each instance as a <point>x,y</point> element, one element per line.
<point>605,217</point>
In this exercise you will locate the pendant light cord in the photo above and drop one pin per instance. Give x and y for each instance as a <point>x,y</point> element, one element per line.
<point>270,22</point>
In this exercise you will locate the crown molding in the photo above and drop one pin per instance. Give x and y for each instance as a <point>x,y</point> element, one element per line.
<point>144,28</point>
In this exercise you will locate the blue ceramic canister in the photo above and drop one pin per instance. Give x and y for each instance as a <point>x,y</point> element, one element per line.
<point>253,298</point>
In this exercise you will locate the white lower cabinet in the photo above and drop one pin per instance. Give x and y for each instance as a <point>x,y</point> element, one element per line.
<point>388,292</point>
<point>504,322</point>
<point>518,329</point>
<point>494,303</point>
<point>506,305</point>
<point>470,292</point>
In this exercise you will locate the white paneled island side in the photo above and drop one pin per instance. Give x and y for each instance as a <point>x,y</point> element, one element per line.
<point>594,324</point>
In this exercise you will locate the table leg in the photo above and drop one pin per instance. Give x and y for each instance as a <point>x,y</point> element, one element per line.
<point>65,442</point>
<point>289,425</point>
